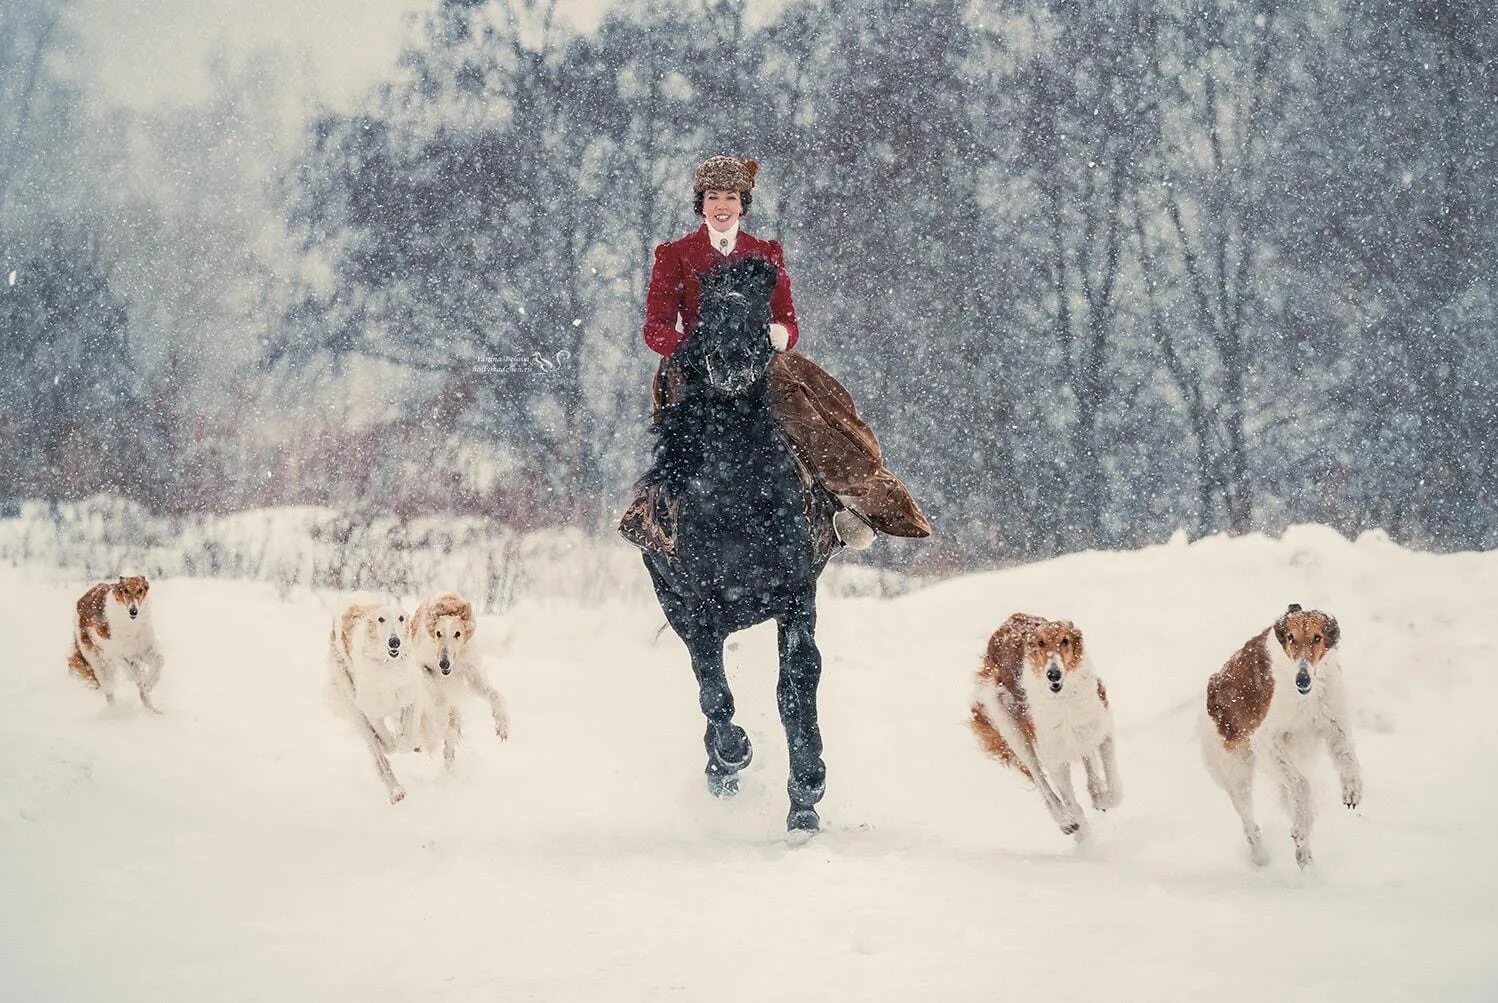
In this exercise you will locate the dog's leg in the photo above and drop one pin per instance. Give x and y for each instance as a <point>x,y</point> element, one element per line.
<point>1296,791</point>
<point>1062,775</point>
<point>154,662</point>
<point>410,736</point>
<point>1102,776</point>
<point>381,735</point>
<point>497,707</point>
<point>998,708</point>
<point>1234,770</point>
<point>1339,743</point>
<point>453,734</point>
<point>144,673</point>
<point>377,746</point>
<point>103,668</point>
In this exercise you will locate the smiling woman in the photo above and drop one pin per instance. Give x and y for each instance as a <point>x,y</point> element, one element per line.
<point>815,413</point>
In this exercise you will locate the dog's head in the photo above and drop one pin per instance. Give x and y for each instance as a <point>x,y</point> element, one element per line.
<point>130,592</point>
<point>1307,637</point>
<point>447,625</point>
<point>1053,651</point>
<point>383,628</point>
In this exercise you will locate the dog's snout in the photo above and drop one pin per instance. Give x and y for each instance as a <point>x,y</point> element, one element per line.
<point>1303,675</point>
<point>1053,674</point>
<point>133,611</point>
<point>394,642</point>
<point>445,665</point>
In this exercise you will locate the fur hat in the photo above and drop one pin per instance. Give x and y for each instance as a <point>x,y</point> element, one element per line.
<point>726,173</point>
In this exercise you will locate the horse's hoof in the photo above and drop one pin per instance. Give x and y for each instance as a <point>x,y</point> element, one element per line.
<point>722,785</point>
<point>803,820</point>
<point>731,750</point>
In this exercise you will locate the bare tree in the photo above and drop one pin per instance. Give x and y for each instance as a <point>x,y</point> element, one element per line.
<point>1207,214</point>
<point>28,32</point>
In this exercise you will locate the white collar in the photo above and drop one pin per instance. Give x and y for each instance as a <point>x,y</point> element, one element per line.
<point>717,238</point>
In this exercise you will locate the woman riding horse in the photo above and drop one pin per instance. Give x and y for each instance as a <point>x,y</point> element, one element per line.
<point>755,443</point>
<point>815,412</point>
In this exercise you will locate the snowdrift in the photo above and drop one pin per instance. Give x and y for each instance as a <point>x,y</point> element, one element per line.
<point>241,848</point>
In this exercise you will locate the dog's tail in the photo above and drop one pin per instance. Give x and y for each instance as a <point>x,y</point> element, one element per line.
<point>80,668</point>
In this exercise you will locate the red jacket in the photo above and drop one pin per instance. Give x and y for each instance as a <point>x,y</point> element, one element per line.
<point>675,288</point>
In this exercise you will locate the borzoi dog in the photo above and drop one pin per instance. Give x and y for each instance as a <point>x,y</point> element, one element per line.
<point>376,683</point>
<point>1273,702</point>
<point>1039,707</point>
<point>113,633</point>
<point>441,636</point>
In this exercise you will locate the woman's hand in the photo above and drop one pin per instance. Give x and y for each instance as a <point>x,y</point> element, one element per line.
<point>780,337</point>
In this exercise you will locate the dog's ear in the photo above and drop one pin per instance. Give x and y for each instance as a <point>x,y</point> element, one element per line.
<point>1282,626</point>
<point>1333,631</point>
<point>470,625</point>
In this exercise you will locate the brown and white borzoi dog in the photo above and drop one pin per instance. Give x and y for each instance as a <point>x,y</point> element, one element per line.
<point>1039,707</point>
<point>113,634</point>
<point>1270,706</point>
<point>441,638</point>
<point>375,682</point>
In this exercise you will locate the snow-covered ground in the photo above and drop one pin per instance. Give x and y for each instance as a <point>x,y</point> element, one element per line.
<point>240,847</point>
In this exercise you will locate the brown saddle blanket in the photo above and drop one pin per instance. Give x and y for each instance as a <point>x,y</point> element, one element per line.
<point>833,447</point>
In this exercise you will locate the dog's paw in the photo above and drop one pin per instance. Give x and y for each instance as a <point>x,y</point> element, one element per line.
<point>397,795</point>
<point>502,728</point>
<point>1352,793</point>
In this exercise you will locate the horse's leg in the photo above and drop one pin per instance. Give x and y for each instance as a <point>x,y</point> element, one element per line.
<point>800,671</point>
<point>728,748</point>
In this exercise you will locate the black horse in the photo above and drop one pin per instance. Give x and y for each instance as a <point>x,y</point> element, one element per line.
<point>744,549</point>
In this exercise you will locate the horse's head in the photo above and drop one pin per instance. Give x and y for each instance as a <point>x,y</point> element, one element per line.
<point>730,348</point>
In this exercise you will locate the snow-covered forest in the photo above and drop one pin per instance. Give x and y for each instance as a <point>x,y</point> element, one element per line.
<point>1095,272</point>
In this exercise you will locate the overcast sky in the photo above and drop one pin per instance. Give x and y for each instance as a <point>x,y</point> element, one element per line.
<point>145,52</point>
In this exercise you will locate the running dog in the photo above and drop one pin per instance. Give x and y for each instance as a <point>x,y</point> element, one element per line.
<point>113,634</point>
<point>1039,707</point>
<point>1273,702</point>
<point>441,635</point>
<point>376,683</point>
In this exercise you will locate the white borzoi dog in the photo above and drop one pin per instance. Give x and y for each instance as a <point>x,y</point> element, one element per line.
<point>376,683</point>
<point>1039,707</point>
<point>113,635</point>
<point>1271,705</point>
<point>441,640</point>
